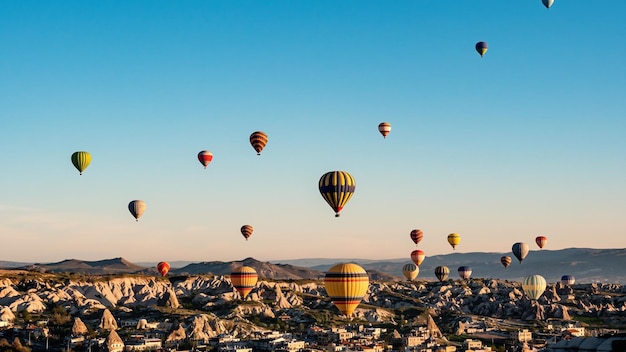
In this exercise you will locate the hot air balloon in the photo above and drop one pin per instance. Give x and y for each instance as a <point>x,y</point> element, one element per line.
<point>520,251</point>
<point>205,157</point>
<point>481,47</point>
<point>163,268</point>
<point>568,280</point>
<point>337,187</point>
<point>384,128</point>
<point>533,286</point>
<point>410,271</point>
<point>442,272</point>
<point>81,160</point>
<point>417,235</point>
<point>246,231</point>
<point>346,284</point>
<point>465,272</point>
<point>541,241</point>
<point>137,207</point>
<point>417,256</point>
<point>454,239</point>
<point>505,260</point>
<point>244,278</point>
<point>547,3</point>
<point>258,140</point>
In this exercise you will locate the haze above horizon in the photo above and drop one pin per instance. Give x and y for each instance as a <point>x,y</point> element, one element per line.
<point>525,141</point>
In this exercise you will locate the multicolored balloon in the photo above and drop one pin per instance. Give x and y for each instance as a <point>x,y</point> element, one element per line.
<point>337,187</point>
<point>81,160</point>
<point>541,241</point>
<point>505,260</point>
<point>244,279</point>
<point>464,272</point>
<point>418,256</point>
<point>547,3</point>
<point>442,272</point>
<point>205,157</point>
<point>417,235</point>
<point>520,250</point>
<point>454,239</point>
<point>384,128</point>
<point>136,208</point>
<point>410,271</point>
<point>246,231</point>
<point>568,280</point>
<point>481,48</point>
<point>346,284</point>
<point>163,268</point>
<point>533,286</point>
<point>258,140</point>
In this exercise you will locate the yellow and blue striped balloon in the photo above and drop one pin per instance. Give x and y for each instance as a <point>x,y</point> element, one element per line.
<point>81,160</point>
<point>337,187</point>
<point>410,271</point>
<point>346,284</point>
<point>442,272</point>
<point>533,286</point>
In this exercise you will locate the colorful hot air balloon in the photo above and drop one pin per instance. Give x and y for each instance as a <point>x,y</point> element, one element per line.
<point>465,272</point>
<point>417,256</point>
<point>520,250</point>
<point>81,160</point>
<point>505,260</point>
<point>346,284</point>
<point>205,157</point>
<point>442,272</point>
<point>481,47</point>
<point>246,231</point>
<point>454,239</point>
<point>547,3</point>
<point>337,187</point>
<point>568,280</point>
<point>244,278</point>
<point>384,128</point>
<point>410,271</point>
<point>163,268</point>
<point>258,140</point>
<point>541,241</point>
<point>137,207</point>
<point>533,286</point>
<point>417,235</point>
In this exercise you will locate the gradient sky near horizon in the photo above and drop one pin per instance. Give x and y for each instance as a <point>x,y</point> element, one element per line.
<point>529,140</point>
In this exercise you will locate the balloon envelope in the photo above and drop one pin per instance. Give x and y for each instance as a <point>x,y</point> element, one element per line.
<point>481,48</point>
<point>163,268</point>
<point>384,128</point>
<point>505,260</point>
<point>541,241</point>
<point>417,256</point>
<point>520,250</point>
<point>410,271</point>
<point>547,3</point>
<point>454,239</point>
<point>258,140</point>
<point>137,207</point>
<point>465,272</point>
<point>442,272</point>
<point>567,280</point>
<point>337,187</point>
<point>81,160</point>
<point>417,235</point>
<point>246,231</point>
<point>205,157</point>
<point>346,284</point>
<point>533,286</point>
<point>244,279</point>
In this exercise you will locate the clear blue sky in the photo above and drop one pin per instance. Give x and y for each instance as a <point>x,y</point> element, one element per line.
<point>529,140</point>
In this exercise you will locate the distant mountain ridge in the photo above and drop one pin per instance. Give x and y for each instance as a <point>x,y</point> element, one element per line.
<point>585,264</point>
